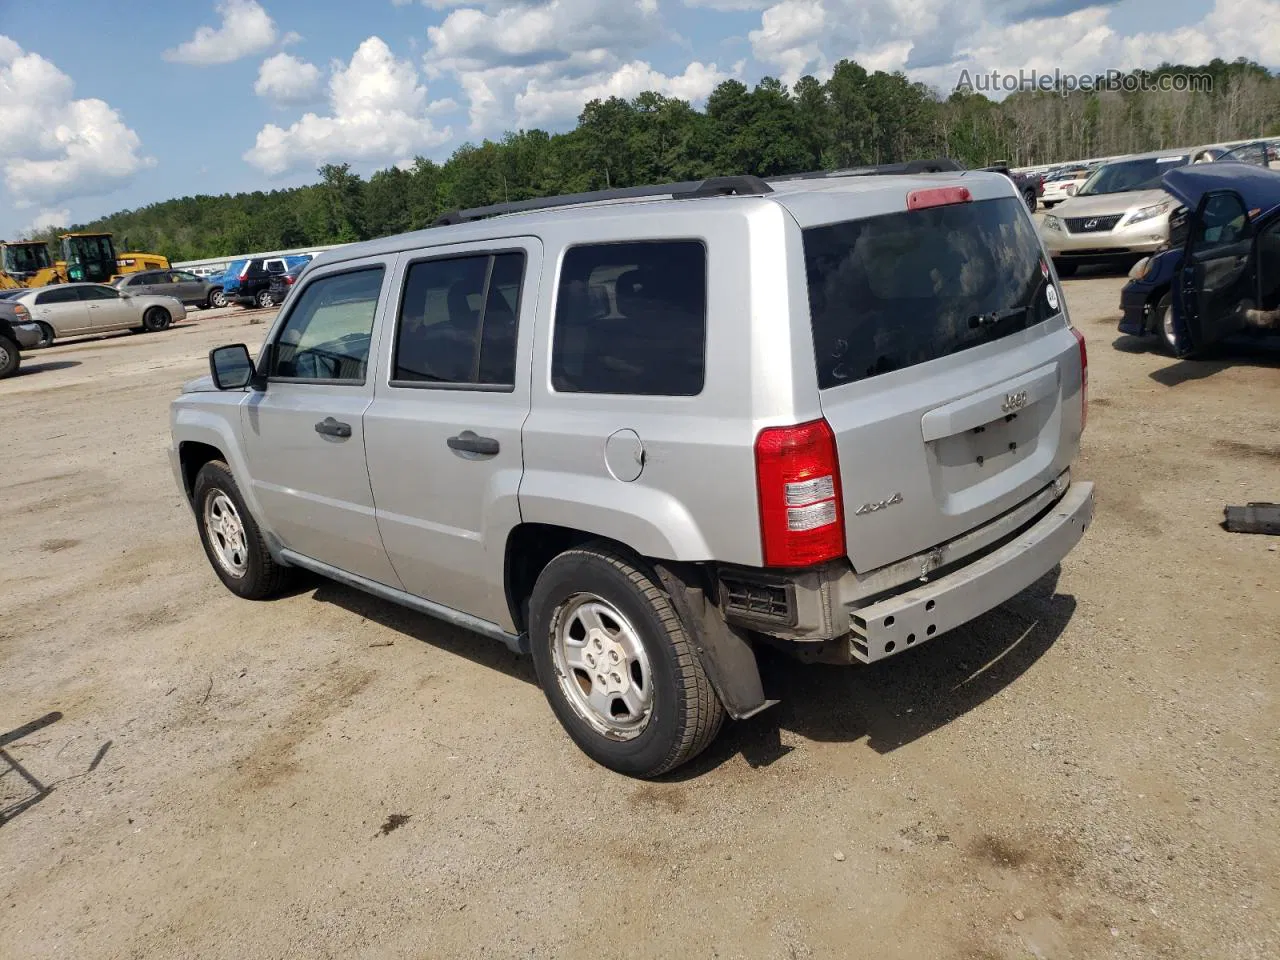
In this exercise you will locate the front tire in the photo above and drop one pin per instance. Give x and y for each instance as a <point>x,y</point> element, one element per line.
<point>1164,325</point>
<point>617,665</point>
<point>231,538</point>
<point>265,300</point>
<point>47,335</point>
<point>10,357</point>
<point>156,319</point>
<point>217,298</point>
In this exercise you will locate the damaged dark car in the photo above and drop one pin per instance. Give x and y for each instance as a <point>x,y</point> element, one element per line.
<point>1219,279</point>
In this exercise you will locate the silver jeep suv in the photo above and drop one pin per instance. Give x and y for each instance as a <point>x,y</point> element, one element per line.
<point>637,433</point>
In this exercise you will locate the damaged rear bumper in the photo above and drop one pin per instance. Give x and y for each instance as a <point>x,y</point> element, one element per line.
<point>909,619</point>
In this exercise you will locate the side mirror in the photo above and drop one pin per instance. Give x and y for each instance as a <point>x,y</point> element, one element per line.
<point>231,367</point>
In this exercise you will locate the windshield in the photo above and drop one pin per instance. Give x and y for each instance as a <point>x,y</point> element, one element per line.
<point>89,250</point>
<point>26,258</point>
<point>1127,175</point>
<point>895,290</point>
<point>1259,154</point>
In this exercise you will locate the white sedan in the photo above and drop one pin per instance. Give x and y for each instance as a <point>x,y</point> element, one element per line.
<point>76,309</point>
<point>1063,186</point>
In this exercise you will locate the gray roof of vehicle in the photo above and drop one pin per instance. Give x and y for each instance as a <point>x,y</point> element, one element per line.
<point>530,222</point>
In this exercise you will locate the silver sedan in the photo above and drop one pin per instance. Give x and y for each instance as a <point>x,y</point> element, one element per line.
<point>76,309</point>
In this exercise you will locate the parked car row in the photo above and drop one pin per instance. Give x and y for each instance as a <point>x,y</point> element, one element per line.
<point>248,282</point>
<point>36,317</point>
<point>1120,213</point>
<point>192,290</point>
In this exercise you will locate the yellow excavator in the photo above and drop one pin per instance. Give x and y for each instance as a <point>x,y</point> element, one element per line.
<point>85,257</point>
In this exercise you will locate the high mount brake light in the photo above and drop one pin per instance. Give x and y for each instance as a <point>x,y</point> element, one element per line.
<point>937,197</point>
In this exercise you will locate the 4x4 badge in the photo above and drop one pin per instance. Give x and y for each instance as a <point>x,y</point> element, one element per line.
<point>877,507</point>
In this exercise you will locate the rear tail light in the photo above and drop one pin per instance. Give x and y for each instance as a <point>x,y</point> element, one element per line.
<point>937,197</point>
<point>288,280</point>
<point>801,510</point>
<point>1084,378</point>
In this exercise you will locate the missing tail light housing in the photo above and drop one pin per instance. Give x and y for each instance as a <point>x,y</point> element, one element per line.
<point>801,506</point>
<point>1084,378</point>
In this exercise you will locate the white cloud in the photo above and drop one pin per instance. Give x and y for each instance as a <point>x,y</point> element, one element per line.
<point>55,147</point>
<point>933,40</point>
<point>379,112</point>
<point>537,62</point>
<point>728,5</point>
<point>45,220</point>
<point>246,29</point>
<point>545,102</point>
<point>1084,42</point>
<point>286,79</point>
<point>528,33</point>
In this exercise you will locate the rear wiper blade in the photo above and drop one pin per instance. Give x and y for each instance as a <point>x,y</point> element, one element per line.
<point>995,317</point>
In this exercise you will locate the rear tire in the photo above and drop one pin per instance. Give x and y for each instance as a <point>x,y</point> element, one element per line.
<point>1030,198</point>
<point>156,319</point>
<point>1065,269</point>
<point>650,707</point>
<point>265,300</point>
<point>10,357</point>
<point>231,538</point>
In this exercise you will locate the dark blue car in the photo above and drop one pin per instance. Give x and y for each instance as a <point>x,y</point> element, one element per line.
<point>1220,277</point>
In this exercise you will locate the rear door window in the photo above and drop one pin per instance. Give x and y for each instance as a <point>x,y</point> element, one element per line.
<point>458,321</point>
<point>631,318</point>
<point>893,291</point>
<point>63,295</point>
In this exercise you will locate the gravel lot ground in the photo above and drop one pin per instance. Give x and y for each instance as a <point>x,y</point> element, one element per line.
<point>1089,771</point>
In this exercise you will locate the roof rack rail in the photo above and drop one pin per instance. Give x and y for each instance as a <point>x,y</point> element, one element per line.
<point>687,190</point>
<point>936,165</point>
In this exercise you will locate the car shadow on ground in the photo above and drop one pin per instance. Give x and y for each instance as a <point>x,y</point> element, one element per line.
<point>483,651</point>
<point>898,701</point>
<point>47,366</point>
<point>1224,358</point>
<point>888,705</point>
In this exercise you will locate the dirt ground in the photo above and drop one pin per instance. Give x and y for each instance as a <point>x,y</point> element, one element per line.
<point>1089,771</point>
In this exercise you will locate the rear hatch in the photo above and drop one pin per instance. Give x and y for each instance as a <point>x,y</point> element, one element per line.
<point>946,367</point>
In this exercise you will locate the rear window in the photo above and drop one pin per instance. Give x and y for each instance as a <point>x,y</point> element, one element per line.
<point>889,292</point>
<point>631,318</point>
<point>64,295</point>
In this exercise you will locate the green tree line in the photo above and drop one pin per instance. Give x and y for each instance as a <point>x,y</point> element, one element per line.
<point>854,118</point>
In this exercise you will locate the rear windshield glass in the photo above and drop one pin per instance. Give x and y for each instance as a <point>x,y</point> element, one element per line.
<point>892,291</point>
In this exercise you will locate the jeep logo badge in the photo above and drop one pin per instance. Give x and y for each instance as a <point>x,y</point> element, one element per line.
<point>1014,401</point>
<point>877,507</point>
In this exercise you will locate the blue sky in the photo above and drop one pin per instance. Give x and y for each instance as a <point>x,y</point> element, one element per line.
<point>102,110</point>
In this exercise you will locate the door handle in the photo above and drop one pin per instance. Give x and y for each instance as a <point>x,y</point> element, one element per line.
<point>469,442</point>
<point>330,427</point>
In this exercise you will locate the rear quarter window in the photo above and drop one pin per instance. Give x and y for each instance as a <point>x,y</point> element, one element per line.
<point>631,319</point>
<point>901,289</point>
